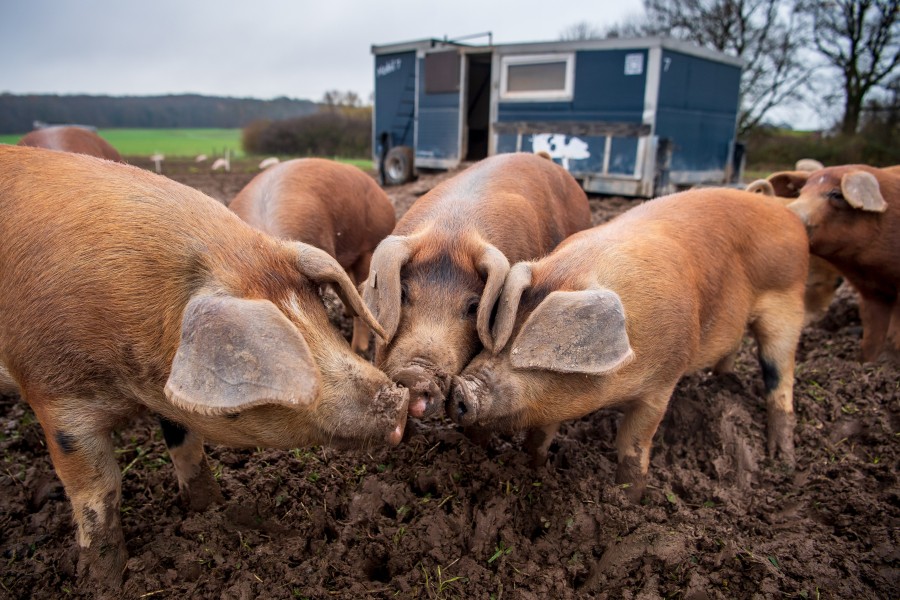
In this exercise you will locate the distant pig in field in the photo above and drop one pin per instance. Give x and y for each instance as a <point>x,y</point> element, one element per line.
<point>852,215</point>
<point>71,139</point>
<point>616,315</point>
<point>330,205</point>
<point>434,282</point>
<point>824,279</point>
<point>123,291</point>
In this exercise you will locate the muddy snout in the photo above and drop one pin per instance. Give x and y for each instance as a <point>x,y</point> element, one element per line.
<point>462,402</point>
<point>426,389</point>
<point>391,406</point>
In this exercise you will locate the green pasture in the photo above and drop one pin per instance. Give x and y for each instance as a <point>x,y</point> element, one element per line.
<point>180,142</point>
<point>171,142</point>
<point>174,142</point>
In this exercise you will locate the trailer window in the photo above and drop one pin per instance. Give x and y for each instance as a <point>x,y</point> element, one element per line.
<point>537,77</point>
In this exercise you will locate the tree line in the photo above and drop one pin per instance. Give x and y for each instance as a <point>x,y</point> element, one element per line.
<point>18,113</point>
<point>341,127</point>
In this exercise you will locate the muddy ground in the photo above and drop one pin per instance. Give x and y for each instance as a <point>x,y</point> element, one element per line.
<point>440,517</point>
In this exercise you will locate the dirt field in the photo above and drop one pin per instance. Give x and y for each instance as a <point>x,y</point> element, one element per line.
<point>439,517</point>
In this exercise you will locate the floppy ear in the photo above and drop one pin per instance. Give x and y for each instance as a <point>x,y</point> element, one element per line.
<point>861,191</point>
<point>517,281</point>
<point>321,267</point>
<point>494,266</point>
<point>574,332</point>
<point>382,293</point>
<point>761,186</point>
<point>787,184</point>
<point>236,354</point>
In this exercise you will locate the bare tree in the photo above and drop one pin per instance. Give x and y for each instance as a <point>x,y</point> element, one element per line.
<point>861,38</point>
<point>769,35</point>
<point>581,30</point>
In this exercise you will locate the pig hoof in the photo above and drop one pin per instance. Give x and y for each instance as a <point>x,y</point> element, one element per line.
<point>630,479</point>
<point>781,437</point>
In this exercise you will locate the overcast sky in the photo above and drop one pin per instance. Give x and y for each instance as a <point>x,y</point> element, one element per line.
<point>249,48</point>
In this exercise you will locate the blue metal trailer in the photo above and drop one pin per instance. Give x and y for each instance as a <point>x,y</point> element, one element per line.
<point>634,117</point>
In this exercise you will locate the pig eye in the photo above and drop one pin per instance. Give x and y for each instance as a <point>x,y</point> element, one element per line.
<point>472,307</point>
<point>836,199</point>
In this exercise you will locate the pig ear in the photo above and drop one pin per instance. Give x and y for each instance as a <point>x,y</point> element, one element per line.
<point>236,354</point>
<point>761,186</point>
<point>382,292</point>
<point>320,267</point>
<point>787,184</point>
<point>861,191</point>
<point>517,281</point>
<point>574,332</point>
<point>494,266</point>
<point>808,164</point>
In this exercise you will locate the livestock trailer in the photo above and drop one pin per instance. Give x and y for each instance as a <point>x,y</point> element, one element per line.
<point>632,117</point>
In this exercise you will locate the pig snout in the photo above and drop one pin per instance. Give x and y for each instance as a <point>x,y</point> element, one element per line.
<point>426,392</point>
<point>392,401</point>
<point>463,401</point>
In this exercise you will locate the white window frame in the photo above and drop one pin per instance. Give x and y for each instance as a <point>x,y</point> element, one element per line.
<point>532,59</point>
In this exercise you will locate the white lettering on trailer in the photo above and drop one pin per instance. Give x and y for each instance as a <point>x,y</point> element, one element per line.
<point>389,67</point>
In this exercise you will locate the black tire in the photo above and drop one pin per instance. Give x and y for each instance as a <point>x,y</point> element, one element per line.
<point>398,165</point>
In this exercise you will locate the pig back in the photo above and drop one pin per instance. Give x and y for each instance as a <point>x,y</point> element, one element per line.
<point>330,205</point>
<point>71,139</point>
<point>521,203</point>
<point>689,269</point>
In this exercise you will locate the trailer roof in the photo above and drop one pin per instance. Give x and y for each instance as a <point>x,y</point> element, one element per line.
<point>605,44</point>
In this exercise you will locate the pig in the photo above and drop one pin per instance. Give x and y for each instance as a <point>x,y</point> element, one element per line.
<point>852,216</point>
<point>123,291</point>
<point>617,314</point>
<point>433,283</point>
<point>823,279</point>
<point>330,205</point>
<point>71,139</point>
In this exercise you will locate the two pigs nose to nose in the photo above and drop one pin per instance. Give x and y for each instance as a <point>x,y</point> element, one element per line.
<point>425,395</point>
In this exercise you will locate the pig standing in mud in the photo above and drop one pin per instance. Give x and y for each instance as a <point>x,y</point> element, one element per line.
<point>433,284</point>
<point>123,291</point>
<point>852,215</point>
<point>330,205</point>
<point>616,315</point>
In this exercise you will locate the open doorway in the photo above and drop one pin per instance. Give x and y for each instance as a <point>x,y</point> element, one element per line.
<point>478,95</point>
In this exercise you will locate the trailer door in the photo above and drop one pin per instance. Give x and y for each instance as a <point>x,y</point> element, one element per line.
<point>438,129</point>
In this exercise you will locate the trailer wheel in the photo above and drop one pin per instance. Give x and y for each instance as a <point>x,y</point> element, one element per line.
<point>398,165</point>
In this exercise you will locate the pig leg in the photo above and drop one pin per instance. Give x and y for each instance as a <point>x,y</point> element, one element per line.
<point>196,484</point>
<point>777,332</point>
<point>634,438</point>
<point>358,272</point>
<point>538,442</point>
<point>875,315</point>
<point>82,454</point>
<point>892,346</point>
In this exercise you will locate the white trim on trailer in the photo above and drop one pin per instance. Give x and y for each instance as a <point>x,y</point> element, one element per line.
<point>563,94</point>
<point>462,137</point>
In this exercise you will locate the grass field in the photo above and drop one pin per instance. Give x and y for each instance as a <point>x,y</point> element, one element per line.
<point>179,142</point>
<point>171,142</point>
